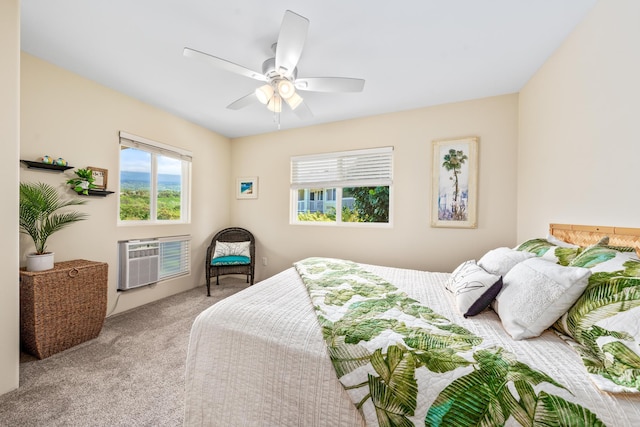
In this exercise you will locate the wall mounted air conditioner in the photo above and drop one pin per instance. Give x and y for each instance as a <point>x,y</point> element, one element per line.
<point>139,262</point>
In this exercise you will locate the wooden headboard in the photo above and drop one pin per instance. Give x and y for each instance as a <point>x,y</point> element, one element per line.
<point>585,235</point>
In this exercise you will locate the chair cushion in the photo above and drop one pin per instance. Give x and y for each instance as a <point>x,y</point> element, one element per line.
<point>231,260</point>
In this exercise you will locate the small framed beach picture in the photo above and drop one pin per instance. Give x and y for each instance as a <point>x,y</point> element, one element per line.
<point>455,183</point>
<point>247,187</point>
<point>100,176</point>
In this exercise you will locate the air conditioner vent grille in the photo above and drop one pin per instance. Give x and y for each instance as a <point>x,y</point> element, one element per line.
<point>139,263</point>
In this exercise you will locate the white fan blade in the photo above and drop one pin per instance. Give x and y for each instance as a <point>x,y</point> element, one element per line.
<point>330,84</point>
<point>245,101</point>
<point>303,112</point>
<point>293,34</point>
<point>224,64</point>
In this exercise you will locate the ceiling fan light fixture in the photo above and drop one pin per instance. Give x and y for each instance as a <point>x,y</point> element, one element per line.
<point>279,77</point>
<point>286,89</point>
<point>294,101</point>
<point>275,104</point>
<point>264,93</point>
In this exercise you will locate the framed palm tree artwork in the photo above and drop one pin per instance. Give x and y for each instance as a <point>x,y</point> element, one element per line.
<point>455,183</point>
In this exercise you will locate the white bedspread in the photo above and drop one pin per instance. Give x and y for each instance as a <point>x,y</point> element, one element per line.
<point>258,358</point>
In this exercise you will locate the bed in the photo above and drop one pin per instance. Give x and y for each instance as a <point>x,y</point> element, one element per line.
<point>336,343</point>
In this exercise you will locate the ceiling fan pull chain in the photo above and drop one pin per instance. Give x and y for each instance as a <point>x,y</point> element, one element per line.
<point>277,119</point>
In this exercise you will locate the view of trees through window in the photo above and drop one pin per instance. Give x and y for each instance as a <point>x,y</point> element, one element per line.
<point>346,187</point>
<point>138,184</point>
<point>357,204</point>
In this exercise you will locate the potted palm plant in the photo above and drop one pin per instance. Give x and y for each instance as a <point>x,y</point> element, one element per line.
<point>40,218</point>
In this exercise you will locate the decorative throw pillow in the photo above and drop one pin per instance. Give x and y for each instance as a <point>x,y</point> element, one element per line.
<point>537,246</point>
<point>223,249</point>
<point>536,293</point>
<point>543,248</point>
<point>557,242</point>
<point>499,261</point>
<point>609,259</point>
<point>605,320</point>
<point>473,287</point>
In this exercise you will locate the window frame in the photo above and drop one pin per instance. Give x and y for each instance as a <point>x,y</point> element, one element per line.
<point>337,180</point>
<point>156,149</point>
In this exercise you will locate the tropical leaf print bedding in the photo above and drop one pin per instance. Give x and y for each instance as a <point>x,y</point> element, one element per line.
<point>403,364</point>
<point>603,322</point>
<point>547,250</point>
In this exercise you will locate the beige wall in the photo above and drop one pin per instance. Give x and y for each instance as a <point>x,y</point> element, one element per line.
<point>10,137</point>
<point>579,145</point>
<point>64,115</point>
<point>411,242</point>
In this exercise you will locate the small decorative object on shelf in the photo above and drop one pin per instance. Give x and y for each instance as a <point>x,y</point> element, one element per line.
<point>61,162</point>
<point>83,182</point>
<point>100,177</point>
<point>46,166</point>
<point>48,160</point>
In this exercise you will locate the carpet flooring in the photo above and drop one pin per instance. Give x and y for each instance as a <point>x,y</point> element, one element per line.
<point>132,374</point>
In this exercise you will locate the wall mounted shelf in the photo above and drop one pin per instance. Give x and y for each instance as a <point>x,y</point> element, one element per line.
<point>99,193</point>
<point>45,166</point>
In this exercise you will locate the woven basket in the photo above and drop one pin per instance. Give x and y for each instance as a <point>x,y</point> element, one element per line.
<point>62,307</point>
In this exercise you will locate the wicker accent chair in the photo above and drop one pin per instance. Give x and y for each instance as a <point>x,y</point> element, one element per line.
<point>235,255</point>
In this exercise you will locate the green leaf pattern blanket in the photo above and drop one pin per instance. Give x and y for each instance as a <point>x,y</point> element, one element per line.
<point>604,323</point>
<point>404,364</point>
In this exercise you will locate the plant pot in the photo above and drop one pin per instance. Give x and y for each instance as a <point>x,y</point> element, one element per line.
<point>41,262</point>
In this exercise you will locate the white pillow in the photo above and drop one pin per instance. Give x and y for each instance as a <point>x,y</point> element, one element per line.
<point>536,293</point>
<point>499,261</point>
<point>473,288</point>
<point>231,249</point>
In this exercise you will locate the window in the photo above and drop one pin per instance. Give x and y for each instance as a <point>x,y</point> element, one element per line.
<point>356,184</point>
<point>154,181</point>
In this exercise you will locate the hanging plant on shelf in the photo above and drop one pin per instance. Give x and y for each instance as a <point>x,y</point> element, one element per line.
<point>83,182</point>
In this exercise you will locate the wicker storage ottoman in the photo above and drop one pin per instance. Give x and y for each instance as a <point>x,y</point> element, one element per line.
<point>62,307</point>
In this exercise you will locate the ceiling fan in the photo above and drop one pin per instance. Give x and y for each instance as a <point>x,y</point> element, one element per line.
<point>280,73</point>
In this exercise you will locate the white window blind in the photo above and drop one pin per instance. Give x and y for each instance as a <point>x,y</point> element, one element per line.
<point>175,256</point>
<point>357,168</point>
<point>145,144</point>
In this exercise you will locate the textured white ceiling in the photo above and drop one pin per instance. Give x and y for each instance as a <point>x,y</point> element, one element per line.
<point>412,53</point>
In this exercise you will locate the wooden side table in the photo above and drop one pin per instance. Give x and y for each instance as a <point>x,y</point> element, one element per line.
<point>62,307</point>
